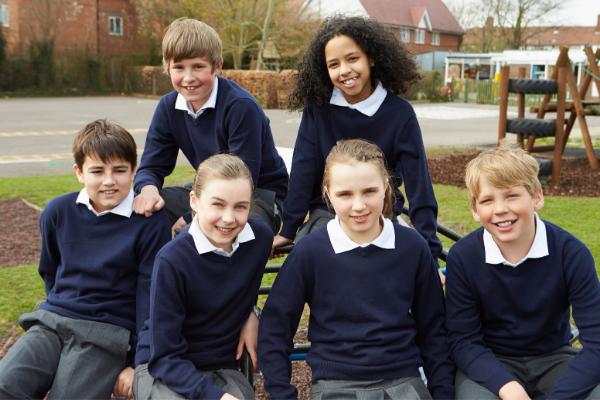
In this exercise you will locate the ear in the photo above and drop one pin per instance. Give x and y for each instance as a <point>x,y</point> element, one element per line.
<point>476,216</point>
<point>538,200</point>
<point>218,68</point>
<point>133,172</point>
<point>194,202</point>
<point>79,174</point>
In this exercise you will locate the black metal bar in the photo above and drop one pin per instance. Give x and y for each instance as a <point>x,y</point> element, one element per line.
<point>264,290</point>
<point>284,249</point>
<point>301,348</point>
<point>273,268</point>
<point>449,233</point>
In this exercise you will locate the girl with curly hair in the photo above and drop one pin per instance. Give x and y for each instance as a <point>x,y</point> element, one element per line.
<point>348,86</point>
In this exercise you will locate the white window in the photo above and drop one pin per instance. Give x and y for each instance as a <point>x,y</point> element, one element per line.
<point>405,35</point>
<point>435,39</point>
<point>115,26</point>
<point>4,15</point>
<point>420,36</point>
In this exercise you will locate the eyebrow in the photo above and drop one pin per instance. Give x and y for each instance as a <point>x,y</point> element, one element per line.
<point>225,201</point>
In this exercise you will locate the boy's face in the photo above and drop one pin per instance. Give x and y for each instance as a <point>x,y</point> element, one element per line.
<point>508,214</point>
<point>194,79</point>
<point>107,184</point>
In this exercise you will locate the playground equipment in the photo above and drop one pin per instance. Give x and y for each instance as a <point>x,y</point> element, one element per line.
<point>532,128</point>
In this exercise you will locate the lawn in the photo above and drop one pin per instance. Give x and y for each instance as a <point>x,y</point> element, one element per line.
<point>21,287</point>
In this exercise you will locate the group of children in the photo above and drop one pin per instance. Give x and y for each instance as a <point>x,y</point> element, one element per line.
<point>133,312</point>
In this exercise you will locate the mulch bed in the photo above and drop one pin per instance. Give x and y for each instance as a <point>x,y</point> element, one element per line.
<point>20,240</point>
<point>576,177</point>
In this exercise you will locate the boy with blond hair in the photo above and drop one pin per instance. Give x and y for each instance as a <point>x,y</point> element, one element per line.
<point>203,116</point>
<point>510,287</point>
<point>96,262</point>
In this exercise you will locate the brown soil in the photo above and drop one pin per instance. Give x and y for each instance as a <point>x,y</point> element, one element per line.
<point>20,239</point>
<point>576,177</point>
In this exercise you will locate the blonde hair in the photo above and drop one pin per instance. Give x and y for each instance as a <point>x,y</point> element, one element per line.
<point>220,166</point>
<point>190,38</point>
<point>504,167</point>
<point>350,152</point>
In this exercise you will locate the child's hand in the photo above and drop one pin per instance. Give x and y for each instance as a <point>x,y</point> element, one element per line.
<point>513,391</point>
<point>148,201</point>
<point>278,241</point>
<point>442,276</point>
<point>123,384</point>
<point>180,224</point>
<point>248,338</point>
<point>227,396</point>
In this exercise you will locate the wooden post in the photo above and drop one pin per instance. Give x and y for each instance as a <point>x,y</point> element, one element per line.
<point>559,136</point>
<point>593,67</point>
<point>589,148</point>
<point>521,105</point>
<point>153,84</point>
<point>563,57</point>
<point>504,71</point>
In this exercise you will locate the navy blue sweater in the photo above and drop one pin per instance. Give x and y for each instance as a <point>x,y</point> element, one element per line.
<point>394,128</point>
<point>99,268</point>
<point>524,311</point>
<point>374,314</point>
<point>198,306</point>
<point>237,125</point>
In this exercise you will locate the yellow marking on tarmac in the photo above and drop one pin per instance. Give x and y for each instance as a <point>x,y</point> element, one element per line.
<point>56,133</point>
<point>33,157</point>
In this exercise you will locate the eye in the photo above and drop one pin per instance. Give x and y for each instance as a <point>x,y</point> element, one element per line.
<point>513,195</point>
<point>353,58</point>
<point>332,65</point>
<point>217,204</point>
<point>240,207</point>
<point>369,191</point>
<point>485,201</point>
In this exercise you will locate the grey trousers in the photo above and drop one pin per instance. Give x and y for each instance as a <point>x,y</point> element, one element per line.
<point>411,388</point>
<point>537,374</point>
<point>73,359</point>
<point>318,218</point>
<point>145,387</point>
<point>266,205</point>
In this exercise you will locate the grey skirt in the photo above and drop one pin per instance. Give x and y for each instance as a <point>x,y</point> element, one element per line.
<point>411,388</point>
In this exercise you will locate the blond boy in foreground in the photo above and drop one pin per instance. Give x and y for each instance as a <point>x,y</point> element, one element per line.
<point>510,286</point>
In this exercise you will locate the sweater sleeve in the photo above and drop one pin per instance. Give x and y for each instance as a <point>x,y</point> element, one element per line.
<point>429,313</point>
<point>50,254</point>
<point>167,343</point>
<point>413,168</point>
<point>463,323</point>
<point>278,325</point>
<point>160,151</point>
<point>155,238</point>
<point>583,372</point>
<point>302,177</point>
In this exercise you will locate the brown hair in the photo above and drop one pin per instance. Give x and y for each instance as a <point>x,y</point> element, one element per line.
<point>105,141</point>
<point>504,167</point>
<point>220,166</point>
<point>190,38</point>
<point>350,152</point>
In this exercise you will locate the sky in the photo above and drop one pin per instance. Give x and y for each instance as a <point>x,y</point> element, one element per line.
<point>575,12</point>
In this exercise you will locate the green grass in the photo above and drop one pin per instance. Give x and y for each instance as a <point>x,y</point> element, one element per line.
<point>20,289</point>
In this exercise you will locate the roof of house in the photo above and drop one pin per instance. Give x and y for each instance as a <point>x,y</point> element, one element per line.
<point>409,13</point>
<point>563,35</point>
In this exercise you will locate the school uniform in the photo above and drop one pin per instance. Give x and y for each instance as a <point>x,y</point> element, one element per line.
<point>230,121</point>
<point>510,322</point>
<point>201,298</point>
<point>385,119</point>
<point>96,270</point>
<point>377,315</point>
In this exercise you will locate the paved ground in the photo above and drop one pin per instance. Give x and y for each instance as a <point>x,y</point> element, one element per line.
<point>36,134</point>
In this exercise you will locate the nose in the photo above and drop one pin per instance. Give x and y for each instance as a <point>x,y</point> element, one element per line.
<point>227,216</point>
<point>358,204</point>
<point>345,68</point>
<point>500,207</point>
<point>188,75</point>
<point>109,179</point>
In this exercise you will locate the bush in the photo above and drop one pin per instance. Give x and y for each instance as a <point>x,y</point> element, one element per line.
<point>429,88</point>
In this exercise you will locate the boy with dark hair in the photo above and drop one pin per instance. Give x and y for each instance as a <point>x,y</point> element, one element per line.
<point>96,263</point>
<point>203,116</point>
<point>510,288</point>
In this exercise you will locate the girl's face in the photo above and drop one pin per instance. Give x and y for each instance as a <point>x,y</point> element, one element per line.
<point>356,193</point>
<point>222,210</point>
<point>349,68</point>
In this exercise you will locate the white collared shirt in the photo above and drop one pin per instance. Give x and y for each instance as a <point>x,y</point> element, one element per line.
<point>342,243</point>
<point>539,248</point>
<point>124,209</point>
<point>203,245</point>
<point>182,104</point>
<point>368,107</point>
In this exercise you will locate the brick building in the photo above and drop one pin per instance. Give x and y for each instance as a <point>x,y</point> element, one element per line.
<point>424,25</point>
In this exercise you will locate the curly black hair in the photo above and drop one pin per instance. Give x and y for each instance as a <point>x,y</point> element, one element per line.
<point>394,65</point>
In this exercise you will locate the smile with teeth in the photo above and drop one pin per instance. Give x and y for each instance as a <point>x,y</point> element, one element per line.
<point>226,230</point>
<point>349,81</point>
<point>360,218</point>
<point>505,224</point>
<point>191,87</point>
<point>109,191</point>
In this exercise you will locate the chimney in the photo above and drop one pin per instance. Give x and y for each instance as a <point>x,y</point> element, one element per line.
<point>598,26</point>
<point>489,23</point>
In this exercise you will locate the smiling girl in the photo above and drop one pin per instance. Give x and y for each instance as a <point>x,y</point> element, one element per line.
<point>376,304</point>
<point>203,291</point>
<point>348,87</point>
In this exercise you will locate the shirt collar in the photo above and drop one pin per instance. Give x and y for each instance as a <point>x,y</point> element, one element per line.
<point>342,243</point>
<point>367,107</point>
<point>182,104</point>
<point>539,248</point>
<point>203,245</point>
<point>124,209</point>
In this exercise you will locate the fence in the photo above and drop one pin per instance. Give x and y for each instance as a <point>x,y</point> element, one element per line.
<point>488,92</point>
